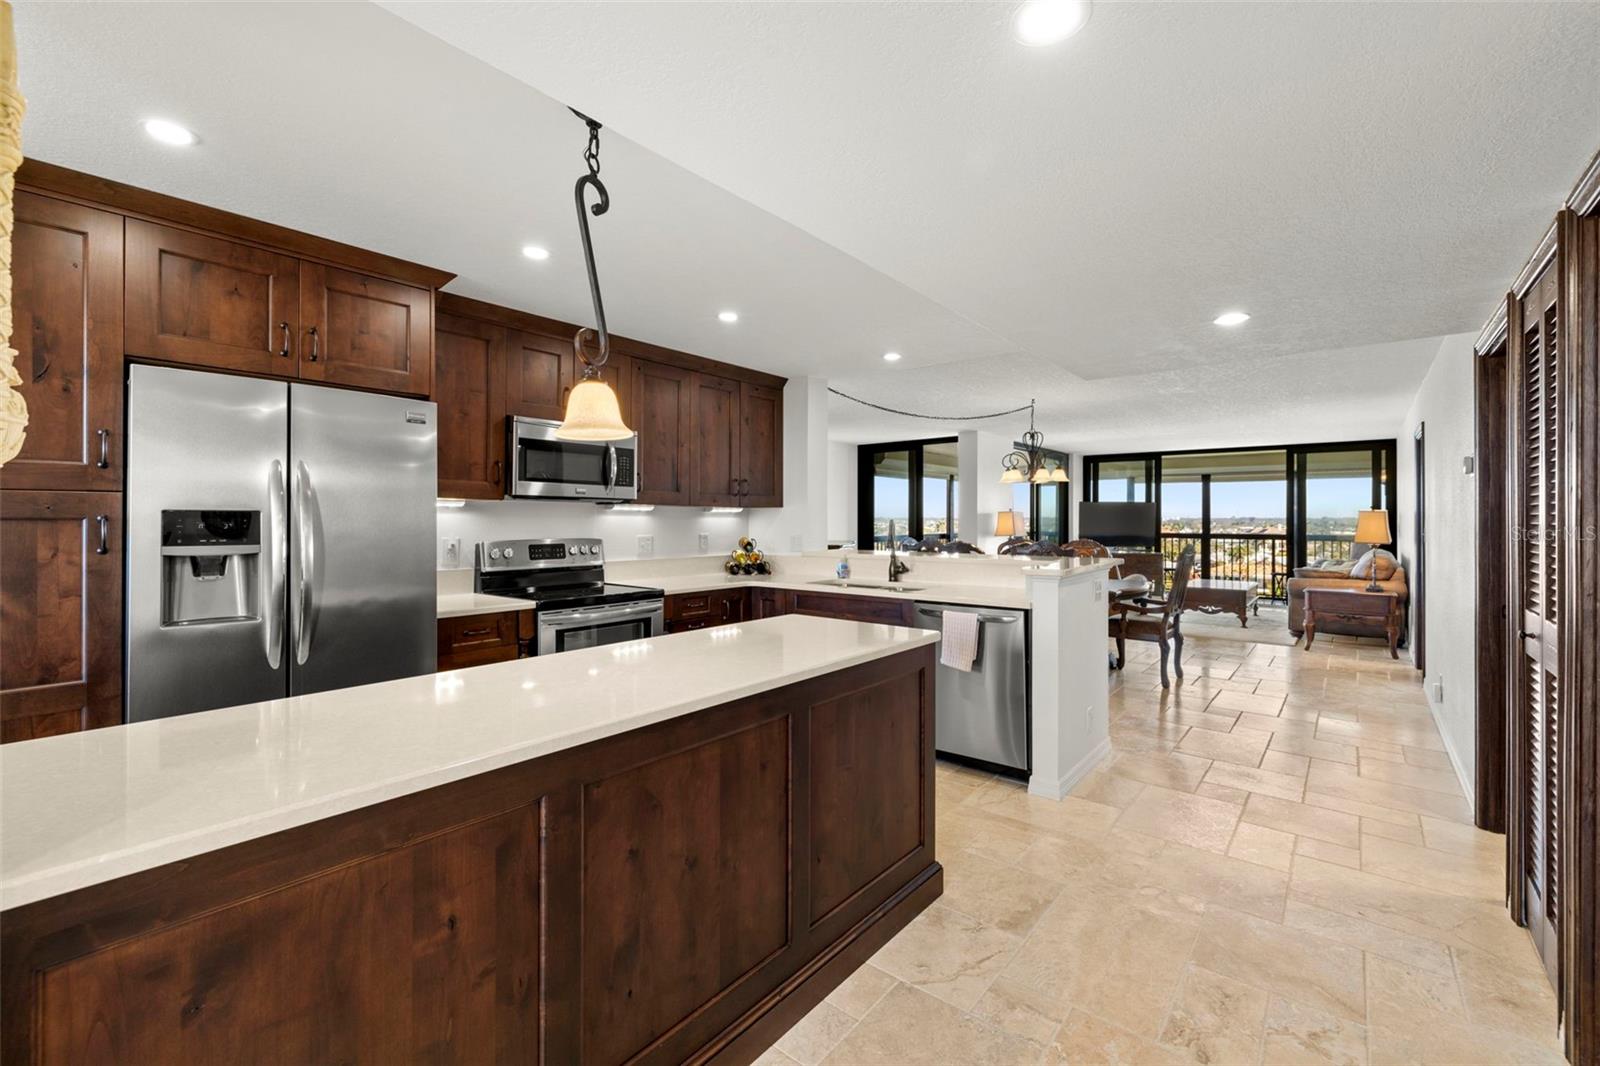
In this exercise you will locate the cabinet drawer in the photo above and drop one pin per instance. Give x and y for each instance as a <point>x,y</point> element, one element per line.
<point>478,631</point>
<point>689,605</point>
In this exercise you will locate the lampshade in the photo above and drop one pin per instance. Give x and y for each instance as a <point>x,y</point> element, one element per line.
<point>1059,474</point>
<point>1012,476</point>
<point>1372,527</point>
<point>1041,476</point>
<point>1005,524</point>
<point>593,414</point>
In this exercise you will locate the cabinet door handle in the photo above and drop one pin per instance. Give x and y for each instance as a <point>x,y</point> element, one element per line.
<point>284,351</point>
<point>733,486</point>
<point>316,346</point>
<point>105,448</point>
<point>499,472</point>
<point>105,535</point>
<point>744,486</point>
<point>477,632</point>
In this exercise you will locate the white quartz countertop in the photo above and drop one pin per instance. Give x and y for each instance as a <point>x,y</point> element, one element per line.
<point>974,595</point>
<point>459,604</point>
<point>83,808</point>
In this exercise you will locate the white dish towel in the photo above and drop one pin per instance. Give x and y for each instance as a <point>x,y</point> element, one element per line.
<point>960,645</point>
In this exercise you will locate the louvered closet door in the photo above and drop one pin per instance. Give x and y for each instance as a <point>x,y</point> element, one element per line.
<point>1538,560</point>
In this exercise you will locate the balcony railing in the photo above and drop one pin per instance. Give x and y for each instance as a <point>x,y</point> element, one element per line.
<point>1260,557</point>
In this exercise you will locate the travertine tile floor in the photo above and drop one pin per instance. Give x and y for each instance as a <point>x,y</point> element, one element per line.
<point>1276,865</point>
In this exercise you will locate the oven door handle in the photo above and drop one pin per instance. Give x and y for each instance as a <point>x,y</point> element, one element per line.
<point>579,615</point>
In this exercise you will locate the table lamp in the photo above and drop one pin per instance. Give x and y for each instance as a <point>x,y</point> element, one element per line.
<point>1372,527</point>
<point>1005,524</point>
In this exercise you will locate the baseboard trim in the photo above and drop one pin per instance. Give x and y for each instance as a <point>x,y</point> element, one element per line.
<point>1080,770</point>
<point>1462,777</point>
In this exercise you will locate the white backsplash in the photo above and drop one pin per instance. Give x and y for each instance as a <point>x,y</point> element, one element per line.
<point>674,531</point>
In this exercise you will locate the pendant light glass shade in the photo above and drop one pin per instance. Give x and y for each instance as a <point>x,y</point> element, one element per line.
<point>1059,474</point>
<point>593,414</point>
<point>1012,476</point>
<point>1041,476</point>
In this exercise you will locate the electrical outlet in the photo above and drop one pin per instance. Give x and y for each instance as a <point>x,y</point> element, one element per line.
<point>450,553</point>
<point>647,546</point>
<point>705,543</point>
<point>1438,691</point>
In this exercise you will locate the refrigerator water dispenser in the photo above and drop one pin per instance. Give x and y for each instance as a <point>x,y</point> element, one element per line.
<point>210,567</point>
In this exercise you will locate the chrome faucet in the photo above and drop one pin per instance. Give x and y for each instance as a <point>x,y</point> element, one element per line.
<point>896,567</point>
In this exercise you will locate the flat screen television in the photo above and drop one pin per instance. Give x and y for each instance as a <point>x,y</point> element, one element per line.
<point>1121,525</point>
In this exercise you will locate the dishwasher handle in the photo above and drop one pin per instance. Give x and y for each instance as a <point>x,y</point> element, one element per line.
<point>1000,619</point>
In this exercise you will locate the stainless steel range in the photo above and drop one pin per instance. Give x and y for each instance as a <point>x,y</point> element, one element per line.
<point>565,580</point>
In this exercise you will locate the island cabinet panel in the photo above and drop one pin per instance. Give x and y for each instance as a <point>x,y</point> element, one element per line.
<point>663,405</point>
<point>67,302</point>
<point>60,612</point>
<point>711,870</point>
<point>366,332</point>
<point>194,298</point>
<point>853,608</point>
<point>469,389</point>
<point>685,891</point>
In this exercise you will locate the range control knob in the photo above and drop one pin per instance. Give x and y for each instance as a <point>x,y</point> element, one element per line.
<point>494,553</point>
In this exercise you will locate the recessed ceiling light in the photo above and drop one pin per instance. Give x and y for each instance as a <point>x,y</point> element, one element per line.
<point>727,316</point>
<point>168,132</point>
<point>1042,22</point>
<point>536,252</point>
<point>1231,318</point>
<point>891,357</point>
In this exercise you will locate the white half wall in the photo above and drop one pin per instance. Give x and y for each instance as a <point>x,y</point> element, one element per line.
<point>801,524</point>
<point>842,460</point>
<point>1444,406</point>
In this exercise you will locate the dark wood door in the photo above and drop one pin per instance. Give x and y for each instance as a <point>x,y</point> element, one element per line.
<point>60,612</point>
<point>663,411</point>
<point>67,300</point>
<point>196,299</point>
<point>718,467</point>
<point>363,331</point>
<point>761,445</point>
<point>538,374</point>
<point>768,602</point>
<point>1538,500</point>
<point>469,387</point>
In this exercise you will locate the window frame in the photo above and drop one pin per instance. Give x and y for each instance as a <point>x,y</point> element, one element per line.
<point>866,485</point>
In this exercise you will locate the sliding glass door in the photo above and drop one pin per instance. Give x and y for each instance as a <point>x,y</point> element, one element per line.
<point>915,485</point>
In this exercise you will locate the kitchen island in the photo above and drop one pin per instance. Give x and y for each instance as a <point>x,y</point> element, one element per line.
<point>663,850</point>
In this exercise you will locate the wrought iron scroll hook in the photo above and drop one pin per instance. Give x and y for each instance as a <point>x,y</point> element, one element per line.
<point>591,156</point>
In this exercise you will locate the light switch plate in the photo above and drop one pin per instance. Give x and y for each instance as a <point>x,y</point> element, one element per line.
<point>450,553</point>
<point>795,542</point>
<point>647,546</point>
<point>705,542</point>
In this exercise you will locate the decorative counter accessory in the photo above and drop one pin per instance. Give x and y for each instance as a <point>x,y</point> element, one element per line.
<point>842,570</point>
<point>746,559</point>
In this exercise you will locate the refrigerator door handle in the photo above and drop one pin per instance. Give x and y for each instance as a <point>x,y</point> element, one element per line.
<point>276,561</point>
<point>306,552</point>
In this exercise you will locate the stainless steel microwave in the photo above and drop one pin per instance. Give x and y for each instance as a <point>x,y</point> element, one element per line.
<point>543,466</point>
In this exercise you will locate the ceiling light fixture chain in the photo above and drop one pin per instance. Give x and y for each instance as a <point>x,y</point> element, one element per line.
<point>934,418</point>
<point>591,156</point>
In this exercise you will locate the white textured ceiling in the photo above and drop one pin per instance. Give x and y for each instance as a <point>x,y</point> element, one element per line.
<point>1062,223</point>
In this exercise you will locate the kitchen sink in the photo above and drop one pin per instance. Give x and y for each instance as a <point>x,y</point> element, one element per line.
<point>876,586</point>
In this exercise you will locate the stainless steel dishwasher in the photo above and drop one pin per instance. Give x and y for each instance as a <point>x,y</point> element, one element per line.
<point>982,714</point>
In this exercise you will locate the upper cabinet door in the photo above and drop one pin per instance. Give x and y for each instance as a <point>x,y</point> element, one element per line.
<point>761,445</point>
<point>365,331</point>
<point>538,375</point>
<point>67,295</point>
<point>718,467</point>
<point>662,410</point>
<point>197,299</point>
<point>469,387</point>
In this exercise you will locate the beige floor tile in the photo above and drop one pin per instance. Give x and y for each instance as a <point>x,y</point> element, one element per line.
<point>1502,995</point>
<point>1245,748</point>
<point>1406,834</point>
<point>1381,754</point>
<point>1418,736</point>
<point>1334,780</point>
<point>1406,948</point>
<point>1004,897</point>
<point>1178,816</point>
<point>947,954</point>
<point>1261,782</point>
<point>1442,835</point>
<point>1235,796</point>
<point>1263,846</point>
<point>861,991</point>
<point>812,1037</point>
<point>1215,1018</point>
<point>1316,798</point>
<point>1435,760</point>
<point>1240,701</point>
<point>1321,849</point>
<point>1108,788</point>
<point>1278,727</point>
<point>1444,871</point>
<point>1303,819</point>
<point>1072,816</point>
<point>1402,773</point>
<point>1283,762</point>
<point>1308,969</point>
<point>1297,1035</point>
<point>908,1027</point>
<point>773,1057</point>
<point>1018,1009</point>
<point>1084,1040</point>
<point>1002,840</point>
<point>1270,687</point>
<point>1399,996</point>
<point>1317,749</point>
<point>1454,1045</point>
<point>1174,771</point>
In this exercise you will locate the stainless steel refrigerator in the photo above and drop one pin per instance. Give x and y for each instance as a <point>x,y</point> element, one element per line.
<point>280,540</point>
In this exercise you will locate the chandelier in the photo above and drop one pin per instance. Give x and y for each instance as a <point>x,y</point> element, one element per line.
<point>1029,463</point>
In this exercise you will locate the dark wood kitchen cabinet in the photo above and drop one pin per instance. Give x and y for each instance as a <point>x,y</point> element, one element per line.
<point>701,610</point>
<point>663,408</point>
<point>761,445</point>
<point>364,331</point>
<point>60,612</point>
<point>539,374</point>
<point>470,378</point>
<point>853,608</point>
<point>475,639</point>
<point>67,300</point>
<point>717,467</point>
<point>768,602</point>
<point>205,300</point>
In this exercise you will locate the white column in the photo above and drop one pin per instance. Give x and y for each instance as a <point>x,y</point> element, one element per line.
<point>801,524</point>
<point>1071,687</point>
<point>978,456</point>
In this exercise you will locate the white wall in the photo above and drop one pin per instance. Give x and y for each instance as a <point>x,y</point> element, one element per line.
<point>841,491</point>
<point>982,496</point>
<point>1444,404</point>
<point>676,529</point>
<point>801,524</point>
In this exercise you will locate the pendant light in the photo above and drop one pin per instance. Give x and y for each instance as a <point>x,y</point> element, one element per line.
<point>1029,464</point>
<point>592,413</point>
